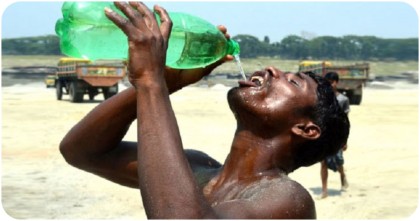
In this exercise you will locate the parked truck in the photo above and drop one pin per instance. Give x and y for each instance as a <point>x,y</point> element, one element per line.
<point>77,77</point>
<point>352,77</point>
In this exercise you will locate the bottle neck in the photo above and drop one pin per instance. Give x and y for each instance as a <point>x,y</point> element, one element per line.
<point>233,47</point>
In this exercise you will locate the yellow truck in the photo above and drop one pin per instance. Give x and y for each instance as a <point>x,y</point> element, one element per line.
<point>77,77</point>
<point>49,80</point>
<point>352,77</point>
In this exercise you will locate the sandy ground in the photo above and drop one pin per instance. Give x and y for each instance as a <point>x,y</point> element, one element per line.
<point>381,161</point>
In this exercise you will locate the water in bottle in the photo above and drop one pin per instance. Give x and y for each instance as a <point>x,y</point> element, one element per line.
<point>85,32</point>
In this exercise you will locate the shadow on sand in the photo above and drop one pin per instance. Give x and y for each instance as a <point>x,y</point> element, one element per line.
<point>331,192</point>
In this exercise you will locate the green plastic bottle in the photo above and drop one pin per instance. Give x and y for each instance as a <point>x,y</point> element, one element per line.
<point>85,32</point>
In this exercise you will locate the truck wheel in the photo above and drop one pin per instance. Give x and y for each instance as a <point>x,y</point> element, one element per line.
<point>356,99</point>
<point>92,92</point>
<point>110,91</point>
<point>76,93</point>
<point>355,96</point>
<point>59,90</point>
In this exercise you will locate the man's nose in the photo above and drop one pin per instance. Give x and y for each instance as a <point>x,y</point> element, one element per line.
<point>273,72</point>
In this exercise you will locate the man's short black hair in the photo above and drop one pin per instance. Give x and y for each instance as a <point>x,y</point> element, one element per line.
<point>331,119</point>
<point>332,76</point>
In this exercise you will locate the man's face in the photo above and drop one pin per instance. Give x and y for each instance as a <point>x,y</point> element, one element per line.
<point>271,97</point>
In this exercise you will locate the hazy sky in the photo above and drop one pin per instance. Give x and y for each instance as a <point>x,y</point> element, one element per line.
<point>275,19</point>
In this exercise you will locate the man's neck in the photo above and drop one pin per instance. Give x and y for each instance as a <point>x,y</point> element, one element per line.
<point>251,157</point>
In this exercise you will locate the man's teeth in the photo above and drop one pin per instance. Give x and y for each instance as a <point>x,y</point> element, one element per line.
<point>258,80</point>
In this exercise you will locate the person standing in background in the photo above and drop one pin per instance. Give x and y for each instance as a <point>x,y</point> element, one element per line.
<point>335,162</point>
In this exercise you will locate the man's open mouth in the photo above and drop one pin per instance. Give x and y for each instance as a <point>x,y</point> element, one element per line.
<point>256,80</point>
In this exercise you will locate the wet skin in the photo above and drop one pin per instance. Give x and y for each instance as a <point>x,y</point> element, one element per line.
<point>269,98</point>
<point>178,183</point>
<point>255,172</point>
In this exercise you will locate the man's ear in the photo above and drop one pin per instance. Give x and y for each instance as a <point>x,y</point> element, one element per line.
<point>308,130</point>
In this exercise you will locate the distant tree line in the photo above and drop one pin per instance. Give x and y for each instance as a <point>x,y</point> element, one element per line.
<point>349,47</point>
<point>43,45</point>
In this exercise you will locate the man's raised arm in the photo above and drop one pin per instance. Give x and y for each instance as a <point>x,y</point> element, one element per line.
<point>95,143</point>
<point>166,181</point>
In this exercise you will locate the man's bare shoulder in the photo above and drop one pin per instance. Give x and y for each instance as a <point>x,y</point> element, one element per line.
<point>286,197</point>
<point>272,198</point>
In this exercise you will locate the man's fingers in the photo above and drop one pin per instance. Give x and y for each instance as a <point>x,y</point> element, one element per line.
<point>223,29</point>
<point>142,9</point>
<point>165,22</point>
<point>134,16</point>
<point>118,20</point>
<point>145,12</point>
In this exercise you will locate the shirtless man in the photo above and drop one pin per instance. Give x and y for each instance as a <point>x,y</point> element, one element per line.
<point>284,121</point>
